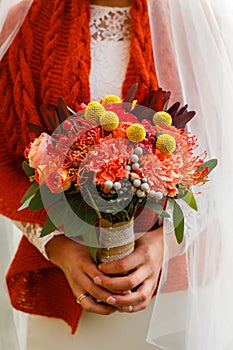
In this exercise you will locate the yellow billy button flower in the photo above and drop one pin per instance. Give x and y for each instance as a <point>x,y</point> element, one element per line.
<point>163,118</point>
<point>111,99</point>
<point>136,132</point>
<point>166,144</point>
<point>94,110</point>
<point>109,121</point>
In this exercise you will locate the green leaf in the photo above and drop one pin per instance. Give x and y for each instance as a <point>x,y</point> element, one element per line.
<point>48,227</point>
<point>48,197</point>
<point>26,203</point>
<point>55,218</point>
<point>178,221</point>
<point>36,202</point>
<point>190,199</point>
<point>165,214</point>
<point>81,215</point>
<point>27,169</point>
<point>151,204</point>
<point>211,164</point>
<point>91,241</point>
<point>30,192</point>
<point>171,202</point>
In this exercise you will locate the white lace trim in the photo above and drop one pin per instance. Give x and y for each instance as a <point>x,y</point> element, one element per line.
<point>33,231</point>
<point>110,48</point>
<point>107,23</point>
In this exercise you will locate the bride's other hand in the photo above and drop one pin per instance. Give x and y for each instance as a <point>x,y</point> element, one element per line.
<point>80,269</point>
<point>144,264</point>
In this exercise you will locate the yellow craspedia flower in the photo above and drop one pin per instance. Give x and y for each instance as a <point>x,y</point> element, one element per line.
<point>136,132</point>
<point>109,121</point>
<point>111,99</point>
<point>166,144</point>
<point>134,103</point>
<point>163,118</point>
<point>94,110</point>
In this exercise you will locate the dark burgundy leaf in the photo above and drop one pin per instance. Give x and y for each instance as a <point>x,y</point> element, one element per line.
<point>174,108</point>
<point>37,129</point>
<point>180,120</point>
<point>130,95</point>
<point>49,121</point>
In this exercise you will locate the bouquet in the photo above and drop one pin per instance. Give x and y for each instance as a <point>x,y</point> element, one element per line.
<point>103,164</point>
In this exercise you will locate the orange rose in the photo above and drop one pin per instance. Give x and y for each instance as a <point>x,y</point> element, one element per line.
<point>58,181</point>
<point>41,174</point>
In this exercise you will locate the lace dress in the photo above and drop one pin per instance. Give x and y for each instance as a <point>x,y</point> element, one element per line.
<point>110,43</point>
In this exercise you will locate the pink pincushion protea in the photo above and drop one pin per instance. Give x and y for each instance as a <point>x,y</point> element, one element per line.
<point>109,173</point>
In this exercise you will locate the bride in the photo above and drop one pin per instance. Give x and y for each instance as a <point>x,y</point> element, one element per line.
<point>192,306</point>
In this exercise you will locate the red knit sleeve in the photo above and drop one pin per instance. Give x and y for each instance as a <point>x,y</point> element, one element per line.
<point>14,137</point>
<point>36,286</point>
<point>18,101</point>
<point>13,185</point>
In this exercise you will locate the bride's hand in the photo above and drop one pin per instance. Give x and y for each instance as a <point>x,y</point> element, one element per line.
<point>145,265</point>
<point>80,270</point>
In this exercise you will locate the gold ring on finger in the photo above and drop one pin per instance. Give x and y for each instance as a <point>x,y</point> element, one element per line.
<point>80,298</point>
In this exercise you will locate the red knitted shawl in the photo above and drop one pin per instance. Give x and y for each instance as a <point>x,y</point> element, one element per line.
<point>50,57</point>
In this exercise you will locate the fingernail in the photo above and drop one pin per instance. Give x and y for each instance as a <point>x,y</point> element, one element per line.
<point>126,292</point>
<point>130,309</point>
<point>97,280</point>
<point>99,267</point>
<point>111,301</point>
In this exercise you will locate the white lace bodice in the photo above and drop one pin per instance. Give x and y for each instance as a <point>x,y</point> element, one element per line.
<point>110,47</point>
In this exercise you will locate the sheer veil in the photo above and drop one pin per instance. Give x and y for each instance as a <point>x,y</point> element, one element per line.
<point>12,14</point>
<point>196,312</point>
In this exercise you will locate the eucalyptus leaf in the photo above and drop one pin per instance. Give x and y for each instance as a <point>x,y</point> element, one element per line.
<point>27,169</point>
<point>178,222</point>
<point>36,202</point>
<point>70,225</point>
<point>26,203</point>
<point>48,197</point>
<point>48,227</point>
<point>55,218</point>
<point>171,202</point>
<point>57,212</point>
<point>165,214</point>
<point>190,199</point>
<point>211,164</point>
<point>91,241</point>
<point>84,212</point>
<point>151,204</point>
<point>30,192</point>
<point>80,219</point>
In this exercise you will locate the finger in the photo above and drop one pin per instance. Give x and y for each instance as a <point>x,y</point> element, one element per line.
<point>124,283</point>
<point>122,266</point>
<point>86,283</point>
<point>137,301</point>
<point>90,305</point>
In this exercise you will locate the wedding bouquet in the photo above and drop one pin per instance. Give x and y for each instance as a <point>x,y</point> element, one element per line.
<point>101,165</point>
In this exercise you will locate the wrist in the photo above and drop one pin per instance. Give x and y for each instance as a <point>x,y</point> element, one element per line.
<point>55,249</point>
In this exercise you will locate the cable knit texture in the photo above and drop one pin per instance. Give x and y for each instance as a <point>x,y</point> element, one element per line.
<point>50,57</point>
